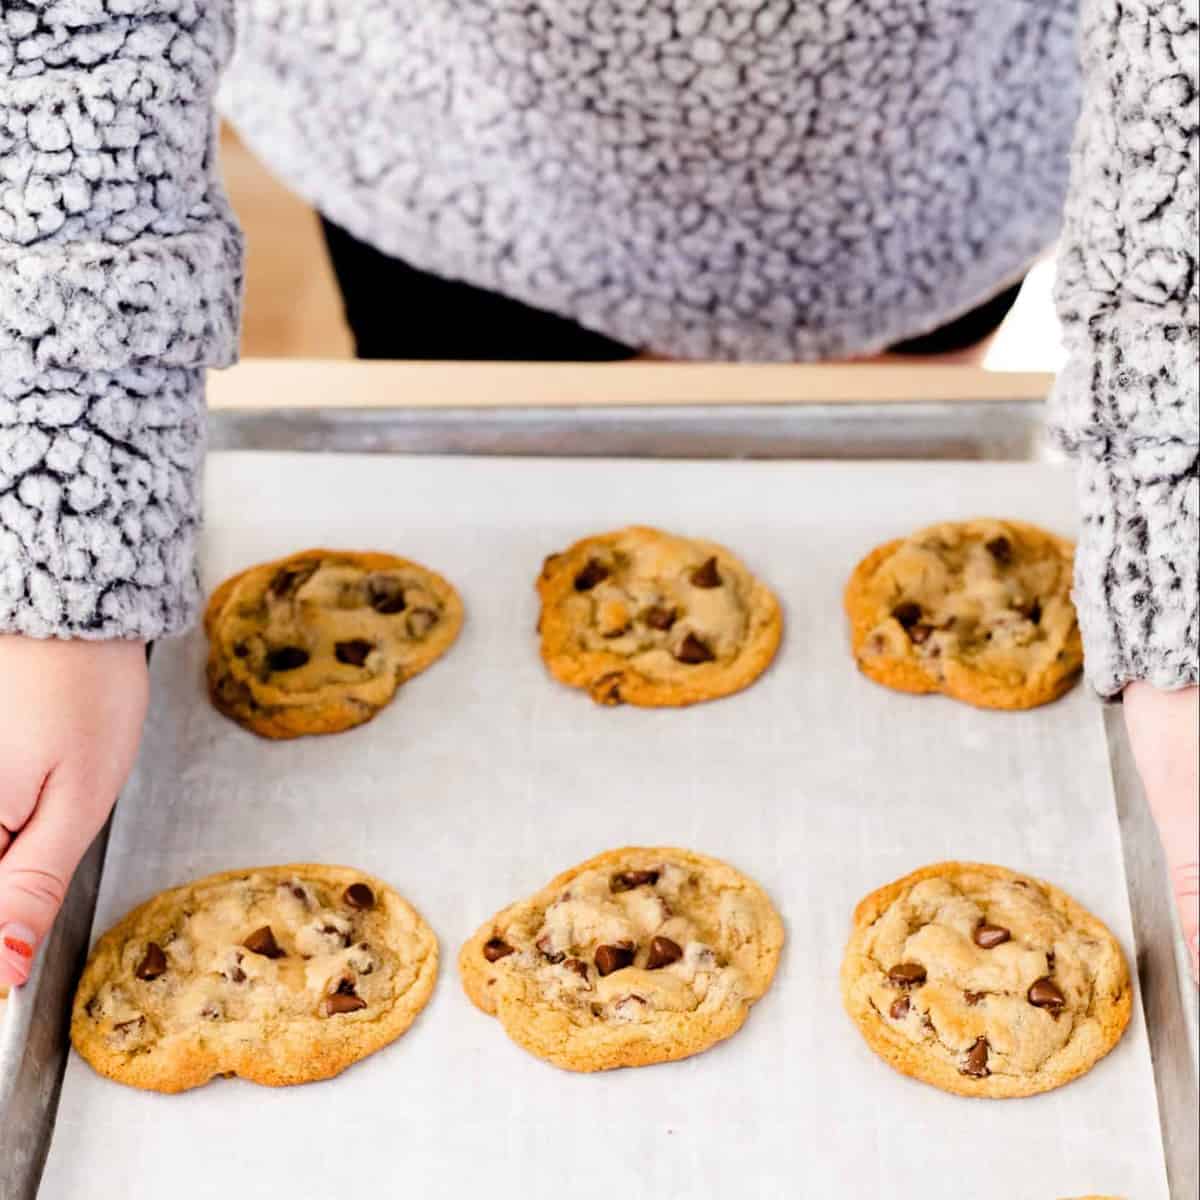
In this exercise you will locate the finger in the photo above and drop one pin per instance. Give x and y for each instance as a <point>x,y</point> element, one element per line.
<point>20,787</point>
<point>37,868</point>
<point>1187,896</point>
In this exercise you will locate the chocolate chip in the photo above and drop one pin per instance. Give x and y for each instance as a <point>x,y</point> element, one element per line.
<point>1000,548</point>
<point>578,966</point>
<point>908,614</point>
<point>131,1026</point>
<point>359,896</point>
<point>692,651</point>
<point>262,941</point>
<point>626,881</point>
<point>288,580</point>
<point>977,1059</point>
<point>706,575</point>
<point>211,1012</point>
<point>607,688</point>
<point>973,998</point>
<point>899,1009</point>
<point>1045,994</point>
<point>1035,612</point>
<point>421,621</point>
<point>333,931</point>
<point>659,618</point>
<point>495,949</point>
<point>663,952</point>
<point>240,650</point>
<point>354,653</point>
<point>613,958</point>
<point>153,964</point>
<point>594,573</point>
<point>286,658</point>
<point>343,1000</point>
<point>385,594</point>
<point>907,974</point>
<point>546,946</point>
<point>919,634</point>
<point>1050,960</point>
<point>236,975</point>
<point>988,937</point>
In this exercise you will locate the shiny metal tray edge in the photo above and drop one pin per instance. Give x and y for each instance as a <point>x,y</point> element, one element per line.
<point>991,431</point>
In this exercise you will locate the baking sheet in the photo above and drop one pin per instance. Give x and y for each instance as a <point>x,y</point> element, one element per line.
<point>485,778</point>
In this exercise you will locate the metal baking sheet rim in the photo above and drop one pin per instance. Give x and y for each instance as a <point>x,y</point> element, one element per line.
<point>14,1034</point>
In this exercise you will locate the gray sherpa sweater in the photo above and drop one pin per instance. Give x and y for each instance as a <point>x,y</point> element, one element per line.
<point>729,178</point>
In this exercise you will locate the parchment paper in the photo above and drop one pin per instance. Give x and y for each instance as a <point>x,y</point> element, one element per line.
<point>485,778</point>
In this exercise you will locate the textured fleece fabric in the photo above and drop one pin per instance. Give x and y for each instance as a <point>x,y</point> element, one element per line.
<point>770,179</point>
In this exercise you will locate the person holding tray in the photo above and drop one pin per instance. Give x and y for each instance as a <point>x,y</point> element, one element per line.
<point>571,180</point>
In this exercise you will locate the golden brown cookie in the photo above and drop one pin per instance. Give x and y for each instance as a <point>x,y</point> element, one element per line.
<point>984,982</point>
<point>280,975</point>
<point>637,956</point>
<point>643,617</point>
<point>979,610</point>
<point>319,641</point>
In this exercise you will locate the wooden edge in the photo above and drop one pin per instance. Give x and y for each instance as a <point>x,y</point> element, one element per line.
<point>314,383</point>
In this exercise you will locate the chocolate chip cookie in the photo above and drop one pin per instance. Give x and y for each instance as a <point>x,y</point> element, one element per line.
<point>984,982</point>
<point>637,956</point>
<point>979,610</point>
<point>320,641</point>
<point>280,975</point>
<point>643,617</point>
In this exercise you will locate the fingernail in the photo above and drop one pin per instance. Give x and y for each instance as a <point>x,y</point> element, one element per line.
<point>16,948</point>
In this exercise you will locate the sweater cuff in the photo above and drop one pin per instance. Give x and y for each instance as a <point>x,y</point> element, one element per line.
<point>99,502</point>
<point>1136,566</point>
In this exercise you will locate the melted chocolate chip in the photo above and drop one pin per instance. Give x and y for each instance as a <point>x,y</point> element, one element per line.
<point>211,1012</point>
<point>1034,612</point>
<point>607,688</point>
<point>288,580</point>
<point>907,974</point>
<point>663,952</point>
<point>899,1009</point>
<point>707,575</point>
<point>262,941</point>
<point>236,975</point>
<point>594,573</point>
<point>659,618</point>
<point>1043,993</point>
<point>1000,548</point>
<point>343,1000</point>
<point>908,614</point>
<point>130,1026</point>
<point>976,1062</point>
<point>546,946</point>
<point>359,896</point>
<point>973,998</point>
<point>988,937</point>
<point>495,949</point>
<point>692,651</point>
<point>919,634</point>
<point>421,621</point>
<point>578,966</point>
<point>353,653</point>
<point>153,964</point>
<point>385,595</point>
<point>626,881</point>
<point>286,658</point>
<point>240,650</point>
<point>613,958</point>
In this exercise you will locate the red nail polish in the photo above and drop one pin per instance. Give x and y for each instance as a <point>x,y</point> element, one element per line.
<point>24,949</point>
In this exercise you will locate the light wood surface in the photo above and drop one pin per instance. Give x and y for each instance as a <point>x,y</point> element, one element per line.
<point>301,383</point>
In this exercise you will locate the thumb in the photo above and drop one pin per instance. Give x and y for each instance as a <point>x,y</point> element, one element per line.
<point>36,870</point>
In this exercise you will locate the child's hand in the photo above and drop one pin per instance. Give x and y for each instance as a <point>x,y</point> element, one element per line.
<point>1164,730</point>
<point>72,718</point>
